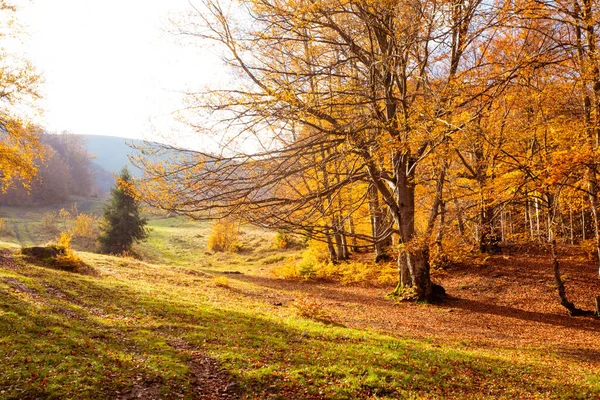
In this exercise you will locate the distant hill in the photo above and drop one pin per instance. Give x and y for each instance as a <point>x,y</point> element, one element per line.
<point>111,152</point>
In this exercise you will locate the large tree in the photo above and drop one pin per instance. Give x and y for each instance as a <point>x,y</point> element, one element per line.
<point>342,92</point>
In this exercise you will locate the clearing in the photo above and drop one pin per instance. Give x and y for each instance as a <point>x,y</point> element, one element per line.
<point>189,324</point>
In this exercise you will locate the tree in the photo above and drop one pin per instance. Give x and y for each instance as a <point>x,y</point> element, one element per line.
<point>377,87</point>
<point>19,139</point>
<point>122,224</point>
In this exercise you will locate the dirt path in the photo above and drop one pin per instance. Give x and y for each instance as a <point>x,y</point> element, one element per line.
<point>17,233</point>
<point>210,380</point>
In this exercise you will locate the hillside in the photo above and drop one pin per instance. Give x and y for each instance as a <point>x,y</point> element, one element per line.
<point>110,152</point>
<point>186,323</point>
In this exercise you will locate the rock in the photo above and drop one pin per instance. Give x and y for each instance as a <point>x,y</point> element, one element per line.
<point>43,252</point>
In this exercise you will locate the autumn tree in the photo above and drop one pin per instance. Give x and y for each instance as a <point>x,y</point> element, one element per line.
<point>377,86</point>
<point>65,171</point>
<point>19,141</point>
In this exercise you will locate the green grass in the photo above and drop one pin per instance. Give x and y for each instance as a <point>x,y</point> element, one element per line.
<point>91,336</point>
<point>22,225</point>
<point>73,336</point>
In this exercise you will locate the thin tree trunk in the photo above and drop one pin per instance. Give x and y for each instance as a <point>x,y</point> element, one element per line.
<point>582,224</point>
<point>330,247</point>
<point>560,285</point>
<point>571,224</point>
<point>354,242</point>
<point>440,234</point>
<point>376,224</point>
<point>537,218</point>
<point>530,220</point>
<point>459,218</point>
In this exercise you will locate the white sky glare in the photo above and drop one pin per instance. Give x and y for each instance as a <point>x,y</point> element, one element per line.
<point>111,67</point>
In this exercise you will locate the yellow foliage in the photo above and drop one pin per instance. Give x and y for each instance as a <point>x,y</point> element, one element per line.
<point>64,215</point>
<point>310,307</point>
<point>64,240</point>
<point>224,236</point>
<point>221,281</point>
<point>69,260</point>
<point>85,226</point>
<point>49,221</point>
<point>2,225</point>
<point>282,240</point>
<point>20,146</point>
<point>315,264</point>
<point>289,270</point>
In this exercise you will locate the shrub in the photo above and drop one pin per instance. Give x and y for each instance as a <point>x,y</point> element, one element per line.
<point>224,236</point>
<point>589,247</point>
<point>289,270</point>
<point>2,225</point>
<point>49,221</point>
<point>67,259</point>
<point>282,240</point>
<point>310,307</point>
<point>84,226</point>
<point>221,281</point>
<point>64,215</point>
<point>315,264</point>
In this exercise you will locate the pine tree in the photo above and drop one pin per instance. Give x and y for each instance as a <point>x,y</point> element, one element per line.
<point>122,224</point>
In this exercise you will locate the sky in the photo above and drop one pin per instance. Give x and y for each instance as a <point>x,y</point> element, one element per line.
<point>113,67</point>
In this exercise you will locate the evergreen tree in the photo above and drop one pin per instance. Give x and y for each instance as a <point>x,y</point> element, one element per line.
<point>122,224</point>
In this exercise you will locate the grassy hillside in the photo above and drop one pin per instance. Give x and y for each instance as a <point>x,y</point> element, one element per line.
<point>187,323</point>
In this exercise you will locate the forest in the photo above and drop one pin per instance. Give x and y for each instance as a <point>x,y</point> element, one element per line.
<point>403,204</point>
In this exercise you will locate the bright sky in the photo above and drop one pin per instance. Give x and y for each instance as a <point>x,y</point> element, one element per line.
<point>111,66</point>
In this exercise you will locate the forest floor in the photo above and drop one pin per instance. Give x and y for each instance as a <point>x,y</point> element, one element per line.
<point>186,323</point>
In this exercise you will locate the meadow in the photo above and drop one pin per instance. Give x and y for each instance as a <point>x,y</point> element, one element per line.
<point>181,322</point>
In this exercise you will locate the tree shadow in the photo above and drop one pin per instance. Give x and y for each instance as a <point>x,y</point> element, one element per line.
<point>325,289</point>
<point>565,321</point>
<point>261,352</point>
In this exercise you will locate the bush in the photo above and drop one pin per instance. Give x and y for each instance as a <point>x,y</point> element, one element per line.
<point>589,247</point>
<point>67,259</point>
<point>221,281</point>
<point>310,307</point>
<point>224,236</point>
<point>85,226</point>
<point>289,270</point>
<point>59,255</point>
<point>64,215</point>
<point>282,240</point>
<point>49,222</point>
<point>315,264</point>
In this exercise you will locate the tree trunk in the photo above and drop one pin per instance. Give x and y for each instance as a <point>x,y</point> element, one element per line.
<point>440,234</point>
<point>330,247</point>
<point>593,190</point>
<point>377,224</point>
<point>488,240</point>
<point>560,285</point>
<point>354,242</point>
<point>413,263</point>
